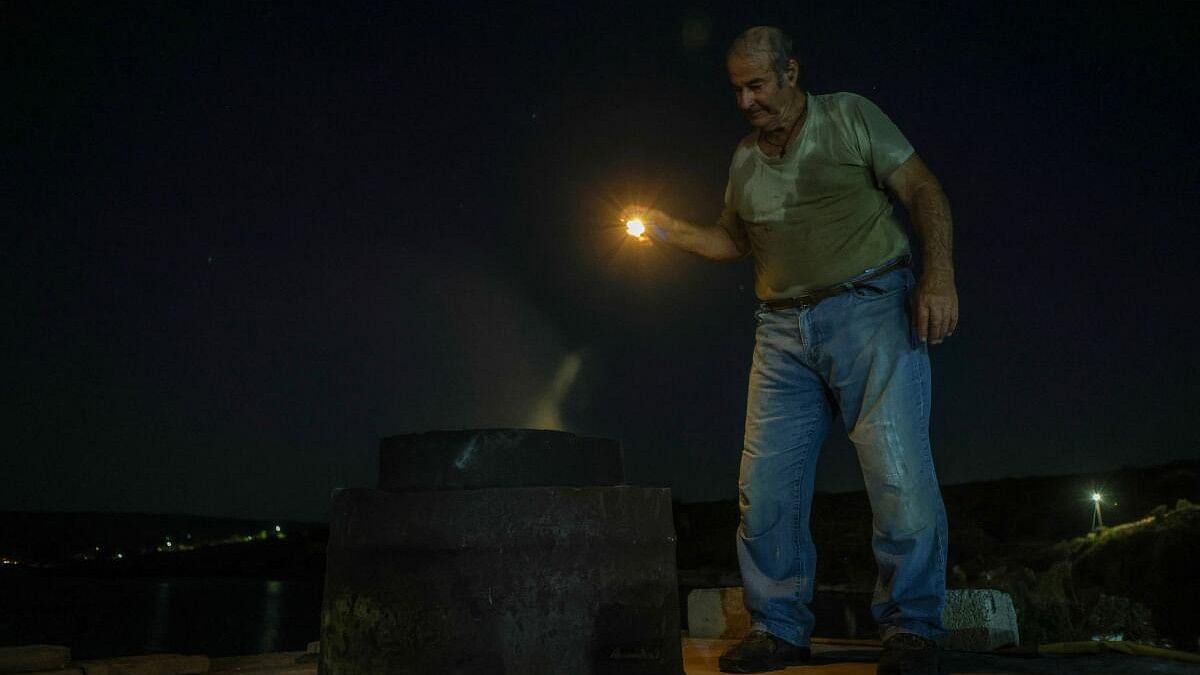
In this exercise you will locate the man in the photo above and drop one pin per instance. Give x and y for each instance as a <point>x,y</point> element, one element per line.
<point>842,328</point>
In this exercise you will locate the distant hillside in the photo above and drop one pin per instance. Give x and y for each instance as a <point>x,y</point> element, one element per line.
<point>76,539</point>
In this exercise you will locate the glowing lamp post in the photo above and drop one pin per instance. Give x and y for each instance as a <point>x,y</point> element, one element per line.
<point>1097,521</point>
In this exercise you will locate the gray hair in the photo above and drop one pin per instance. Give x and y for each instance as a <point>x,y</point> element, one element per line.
<point>769,41</point>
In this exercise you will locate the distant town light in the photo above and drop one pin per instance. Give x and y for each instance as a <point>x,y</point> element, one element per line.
<point>278,528</point>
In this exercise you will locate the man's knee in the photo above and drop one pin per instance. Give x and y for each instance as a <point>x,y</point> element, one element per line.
<point>905,503</point>
<point>760,512</point>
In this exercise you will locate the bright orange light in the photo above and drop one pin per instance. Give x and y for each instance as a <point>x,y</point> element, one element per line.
<point>635,227</point>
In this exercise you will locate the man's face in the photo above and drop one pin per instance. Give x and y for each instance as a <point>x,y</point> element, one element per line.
<point>756,86</point>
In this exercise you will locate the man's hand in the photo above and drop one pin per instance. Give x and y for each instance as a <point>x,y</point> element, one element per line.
<point>711,242</point>
<point>657,223</point>
<point>935,306</point>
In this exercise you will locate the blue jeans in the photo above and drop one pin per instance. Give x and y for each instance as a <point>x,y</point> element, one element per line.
<point>853,353</point>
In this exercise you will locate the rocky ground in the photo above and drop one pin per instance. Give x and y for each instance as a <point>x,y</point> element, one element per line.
<point>1135,581</point>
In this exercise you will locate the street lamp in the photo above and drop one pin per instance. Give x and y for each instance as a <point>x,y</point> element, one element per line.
<point>1097,521</point>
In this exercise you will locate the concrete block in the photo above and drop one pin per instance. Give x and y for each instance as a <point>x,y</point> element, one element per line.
<point>497,458</point>
<point>979,620</point>
<point>33,657</point>
<point>150,664</point>
<point>547,580</point>
<point>717,613</point>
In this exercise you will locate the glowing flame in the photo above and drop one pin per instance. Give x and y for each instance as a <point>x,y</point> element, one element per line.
<point>635,227</point>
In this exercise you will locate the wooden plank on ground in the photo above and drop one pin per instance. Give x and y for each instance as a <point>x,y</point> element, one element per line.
<point>28,658</point>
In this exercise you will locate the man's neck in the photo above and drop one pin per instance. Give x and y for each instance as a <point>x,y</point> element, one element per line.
<point>790,117</point>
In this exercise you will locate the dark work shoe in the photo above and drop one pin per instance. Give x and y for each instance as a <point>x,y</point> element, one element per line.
<point>759,652</point>
<point>908,654</point>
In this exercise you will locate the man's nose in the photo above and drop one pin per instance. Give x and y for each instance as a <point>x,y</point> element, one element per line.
<point>745,99</point>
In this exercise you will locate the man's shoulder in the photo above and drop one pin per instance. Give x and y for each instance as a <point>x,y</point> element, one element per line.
<point>843,103</point>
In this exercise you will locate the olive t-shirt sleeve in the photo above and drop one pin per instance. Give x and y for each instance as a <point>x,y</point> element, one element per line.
<point>732,224</point>
<point>880,143</point>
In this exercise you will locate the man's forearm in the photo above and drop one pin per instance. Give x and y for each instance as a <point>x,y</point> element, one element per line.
<point>935,302</point>
<point>930,215</point>
<point>711,242</point>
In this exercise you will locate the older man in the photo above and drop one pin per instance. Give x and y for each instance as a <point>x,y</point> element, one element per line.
<point>842,329</point>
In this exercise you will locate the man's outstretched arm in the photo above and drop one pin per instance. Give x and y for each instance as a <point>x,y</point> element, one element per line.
<point>935,303</point>
<point>711,242</point>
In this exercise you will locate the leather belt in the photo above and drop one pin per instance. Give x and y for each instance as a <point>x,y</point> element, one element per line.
<point>813,297</point>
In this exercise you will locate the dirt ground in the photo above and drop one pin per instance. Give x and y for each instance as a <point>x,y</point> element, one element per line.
<point>858,658</point>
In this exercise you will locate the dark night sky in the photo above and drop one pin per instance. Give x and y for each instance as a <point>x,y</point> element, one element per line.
<point>244,241</point>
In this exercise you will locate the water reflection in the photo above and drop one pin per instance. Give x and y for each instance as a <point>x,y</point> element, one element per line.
<point>103,618</point>
<point>268,639</point>
<point>160,618</point>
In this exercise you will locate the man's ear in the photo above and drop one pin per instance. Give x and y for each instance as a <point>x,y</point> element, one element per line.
<point>794,70</point>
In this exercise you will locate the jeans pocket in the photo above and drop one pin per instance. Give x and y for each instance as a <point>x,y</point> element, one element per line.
<point>869,290</point>
<point>883,286</point>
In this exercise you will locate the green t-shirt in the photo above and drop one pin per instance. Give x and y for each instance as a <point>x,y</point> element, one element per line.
<point>819,215</point>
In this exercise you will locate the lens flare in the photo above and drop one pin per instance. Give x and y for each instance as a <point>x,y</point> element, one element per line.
<point>635,228</point>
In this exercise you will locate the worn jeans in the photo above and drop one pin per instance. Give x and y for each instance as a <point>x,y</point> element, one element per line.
<point>854,354</point>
